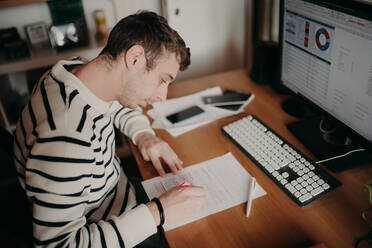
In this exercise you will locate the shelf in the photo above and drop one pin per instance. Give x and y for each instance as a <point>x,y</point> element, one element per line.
<point>8,3</point>
<point>49,57</point>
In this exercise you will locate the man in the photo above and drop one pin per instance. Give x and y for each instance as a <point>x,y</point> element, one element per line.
<point>64,142</point>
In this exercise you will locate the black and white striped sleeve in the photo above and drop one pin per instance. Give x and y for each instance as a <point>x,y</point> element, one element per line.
<point>130,121</point>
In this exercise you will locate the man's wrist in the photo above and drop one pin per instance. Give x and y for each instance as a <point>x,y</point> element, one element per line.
<point>137,136</point>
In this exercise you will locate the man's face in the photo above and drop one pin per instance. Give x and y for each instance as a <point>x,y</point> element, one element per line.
<point>149,86</point>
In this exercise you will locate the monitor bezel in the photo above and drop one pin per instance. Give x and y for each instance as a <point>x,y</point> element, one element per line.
<point>355,8</point>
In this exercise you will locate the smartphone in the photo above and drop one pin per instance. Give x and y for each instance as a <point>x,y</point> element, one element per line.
<point>227,99</point>
<point>233,107</point>
<point>184,114</point>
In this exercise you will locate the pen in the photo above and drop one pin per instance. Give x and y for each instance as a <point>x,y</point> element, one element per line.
<point>184,183</point>
<point>251,188</point>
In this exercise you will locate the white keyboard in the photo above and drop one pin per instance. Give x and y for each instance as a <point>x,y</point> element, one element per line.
<point>301,179</point>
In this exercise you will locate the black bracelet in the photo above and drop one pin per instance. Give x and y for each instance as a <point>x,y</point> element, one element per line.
<point>161,210</point>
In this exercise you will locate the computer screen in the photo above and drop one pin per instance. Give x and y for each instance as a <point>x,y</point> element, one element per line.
<point>326,57</point>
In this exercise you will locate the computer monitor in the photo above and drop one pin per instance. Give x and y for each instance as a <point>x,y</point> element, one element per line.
<point>326,59</point>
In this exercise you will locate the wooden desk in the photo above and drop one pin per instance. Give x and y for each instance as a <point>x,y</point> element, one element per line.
<point>275,220</point>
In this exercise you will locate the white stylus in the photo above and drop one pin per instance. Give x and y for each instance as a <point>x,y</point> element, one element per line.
<point>251,188</point>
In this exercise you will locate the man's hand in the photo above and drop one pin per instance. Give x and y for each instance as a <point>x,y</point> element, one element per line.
<point>154,149</point>
<point>179,204</point>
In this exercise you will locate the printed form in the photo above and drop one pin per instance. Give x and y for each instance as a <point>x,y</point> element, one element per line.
<point>224,179</point>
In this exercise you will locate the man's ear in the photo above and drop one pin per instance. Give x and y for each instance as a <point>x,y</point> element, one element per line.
<point>135,57</point>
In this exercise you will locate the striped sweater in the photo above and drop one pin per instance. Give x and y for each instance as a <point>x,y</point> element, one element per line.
<point>64,154</point>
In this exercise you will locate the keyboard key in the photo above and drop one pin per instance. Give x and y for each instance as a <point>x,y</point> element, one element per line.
<point>310,181</point>
<point>304,184</point>
<point>297,194</point>
<point>305,197</point>
<point>283,181</point>
<point>325,186</point>
<point>284,163</point>
<point>305,177</point>
<point>275,166</point>
<point>317,191</point>
<point>269,169</point>
<point>315,185</point>
<point>290,188</point>
<point>303,191</point>
<point>309,188</point>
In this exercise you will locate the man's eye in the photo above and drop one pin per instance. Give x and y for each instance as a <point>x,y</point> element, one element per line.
<point>163,82</point>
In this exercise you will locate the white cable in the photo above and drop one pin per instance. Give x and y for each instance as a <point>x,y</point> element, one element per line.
<point>339,156</point>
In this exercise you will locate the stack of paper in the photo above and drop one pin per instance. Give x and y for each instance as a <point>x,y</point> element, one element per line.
<point>223,178</point>
<point>162,109</point>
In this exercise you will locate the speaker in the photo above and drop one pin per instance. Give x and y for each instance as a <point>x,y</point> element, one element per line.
<point>265,67</point>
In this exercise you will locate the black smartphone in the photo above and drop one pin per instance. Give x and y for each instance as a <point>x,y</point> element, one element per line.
<point>227,99</point>
<point>233,107</point>
<point>184,114</point>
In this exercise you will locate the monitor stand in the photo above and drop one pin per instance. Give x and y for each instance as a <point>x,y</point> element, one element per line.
<point>297,107</point>
<point>326,141</point>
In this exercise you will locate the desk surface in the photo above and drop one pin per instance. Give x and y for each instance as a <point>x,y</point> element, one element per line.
<point>275,220</point>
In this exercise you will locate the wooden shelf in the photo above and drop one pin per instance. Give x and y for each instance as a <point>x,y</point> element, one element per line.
<point>8,3</point>
<point>49,57</point>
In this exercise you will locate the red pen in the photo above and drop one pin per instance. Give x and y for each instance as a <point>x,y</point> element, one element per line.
<point>185,184</point>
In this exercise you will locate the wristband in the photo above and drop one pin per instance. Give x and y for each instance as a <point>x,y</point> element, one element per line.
<point>161,210</point>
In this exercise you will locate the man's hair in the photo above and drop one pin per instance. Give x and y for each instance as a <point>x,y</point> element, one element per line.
<point>152,32</point>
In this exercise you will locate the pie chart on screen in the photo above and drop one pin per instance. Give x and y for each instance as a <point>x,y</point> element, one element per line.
<point>322,39</point>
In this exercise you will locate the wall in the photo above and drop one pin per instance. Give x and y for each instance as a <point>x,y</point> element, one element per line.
<point>213,29</point>
<point>124,8</point>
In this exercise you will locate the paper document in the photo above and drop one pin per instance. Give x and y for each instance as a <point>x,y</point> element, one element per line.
<point>224,179</point>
